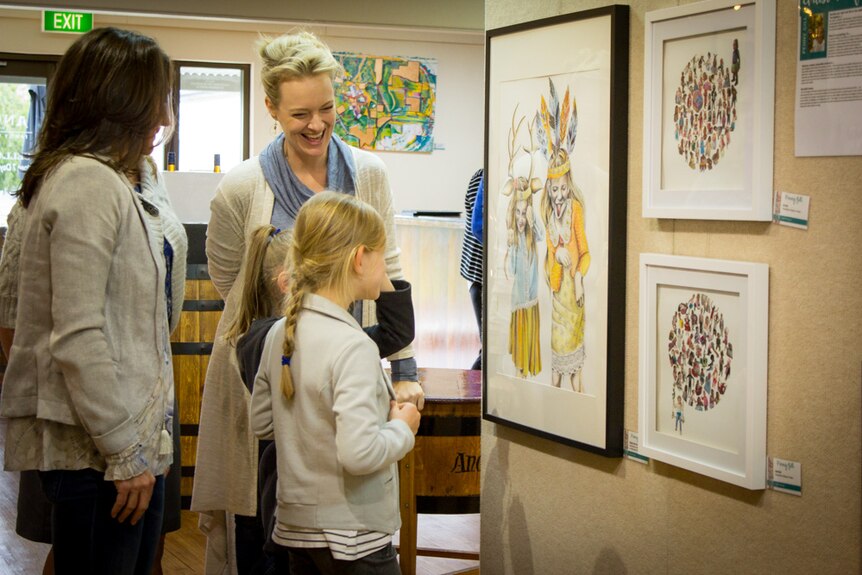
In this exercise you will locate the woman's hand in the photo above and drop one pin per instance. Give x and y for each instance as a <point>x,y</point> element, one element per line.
<point>407,413</point>
<point>133,497</point>
<point>409,392</point>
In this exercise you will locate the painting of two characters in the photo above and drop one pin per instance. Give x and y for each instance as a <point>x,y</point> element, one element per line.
<point>549,211</point>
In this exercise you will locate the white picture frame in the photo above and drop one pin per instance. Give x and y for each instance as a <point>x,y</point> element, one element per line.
<point>708,122</point>
<point>703,366</point>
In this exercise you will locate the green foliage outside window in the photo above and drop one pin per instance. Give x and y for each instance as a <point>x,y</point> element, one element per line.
<point>14,106</point>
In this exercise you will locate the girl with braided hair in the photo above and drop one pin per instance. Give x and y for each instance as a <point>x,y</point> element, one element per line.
<point>322,395</point>
<point>264,285</point>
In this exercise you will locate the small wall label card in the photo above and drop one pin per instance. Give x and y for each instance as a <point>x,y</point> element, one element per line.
<point>784,476</point>
<point>791,210</point>
<point>631,450</point>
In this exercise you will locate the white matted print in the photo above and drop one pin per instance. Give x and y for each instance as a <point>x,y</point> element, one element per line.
<point>550,250</point>
<point>702,381</point>
<point>708,120</point>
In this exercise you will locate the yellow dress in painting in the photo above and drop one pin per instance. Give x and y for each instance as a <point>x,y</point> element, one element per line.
<point>567,318</point>
<point>524,322</point>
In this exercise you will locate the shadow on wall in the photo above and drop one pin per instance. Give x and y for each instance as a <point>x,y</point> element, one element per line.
<point>609,563</point>
<point>511,523</point>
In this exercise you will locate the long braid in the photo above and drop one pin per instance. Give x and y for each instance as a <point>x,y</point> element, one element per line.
<point>298,289</point>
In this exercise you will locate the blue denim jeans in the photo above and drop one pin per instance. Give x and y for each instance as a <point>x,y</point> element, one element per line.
<point>86,538</point>
<point>319,561</point>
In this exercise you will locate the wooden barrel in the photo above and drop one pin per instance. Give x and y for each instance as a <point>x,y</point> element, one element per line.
<point>191,346</point>
<point>447,451</point>
<point>441,474</point>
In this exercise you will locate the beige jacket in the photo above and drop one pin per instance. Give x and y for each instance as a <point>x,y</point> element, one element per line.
<point>9,265</point>
<point>226,462</point>
<point>90,367</point>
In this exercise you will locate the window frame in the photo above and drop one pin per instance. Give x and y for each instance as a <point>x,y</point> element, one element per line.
<point>173,144</point>
<point>29,65</point>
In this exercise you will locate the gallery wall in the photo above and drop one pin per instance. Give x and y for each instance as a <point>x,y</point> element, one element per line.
<point>550,508</point>
<point>420,181</point>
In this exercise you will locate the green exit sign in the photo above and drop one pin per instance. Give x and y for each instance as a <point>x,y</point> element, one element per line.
<point>69,22</point>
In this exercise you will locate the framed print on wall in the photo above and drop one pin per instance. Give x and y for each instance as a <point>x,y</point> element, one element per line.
<point>709,97</point>
<point>556,107</point>
<point>702,355</point>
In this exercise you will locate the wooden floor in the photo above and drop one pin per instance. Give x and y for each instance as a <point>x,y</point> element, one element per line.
<point>184,549</point>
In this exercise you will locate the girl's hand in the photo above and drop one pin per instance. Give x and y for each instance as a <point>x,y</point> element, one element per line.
<point>133,497</point>
<point>407,413</point>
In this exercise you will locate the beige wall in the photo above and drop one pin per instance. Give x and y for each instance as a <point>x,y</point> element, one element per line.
<point>550,509</point>
<point>429,181</point>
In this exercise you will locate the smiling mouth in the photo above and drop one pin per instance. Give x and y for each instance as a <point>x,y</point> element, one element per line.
<point>314,138</point>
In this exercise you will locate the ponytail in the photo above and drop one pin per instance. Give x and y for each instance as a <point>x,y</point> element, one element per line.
<point>266,252</point>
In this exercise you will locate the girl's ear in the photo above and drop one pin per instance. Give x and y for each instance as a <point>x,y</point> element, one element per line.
<point>283,281</point>
<point>358,259</point>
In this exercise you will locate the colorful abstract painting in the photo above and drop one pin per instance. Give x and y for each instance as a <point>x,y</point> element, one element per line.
<point>386,103</point>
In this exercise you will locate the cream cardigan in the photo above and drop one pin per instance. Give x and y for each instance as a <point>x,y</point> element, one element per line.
<point>226,462</point>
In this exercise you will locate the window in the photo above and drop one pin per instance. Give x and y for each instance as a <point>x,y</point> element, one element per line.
<point>212,109</point>
<point>23,82</point>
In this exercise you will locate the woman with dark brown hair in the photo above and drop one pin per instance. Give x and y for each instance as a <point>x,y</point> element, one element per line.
<point>89,392</point>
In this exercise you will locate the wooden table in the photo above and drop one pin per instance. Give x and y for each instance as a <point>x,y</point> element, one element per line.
<point>441,474</point>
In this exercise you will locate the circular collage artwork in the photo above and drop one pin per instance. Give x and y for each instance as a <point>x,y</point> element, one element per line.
<point>704,113</point>
<point>700,353</point>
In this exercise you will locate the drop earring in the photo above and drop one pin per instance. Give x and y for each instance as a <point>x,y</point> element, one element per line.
<point>274,128</point>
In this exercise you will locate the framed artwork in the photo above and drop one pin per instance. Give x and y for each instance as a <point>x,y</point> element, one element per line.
<point>702,381</point>
<point>386,102</point>
<point>709,96</point>
<point>556,107</point>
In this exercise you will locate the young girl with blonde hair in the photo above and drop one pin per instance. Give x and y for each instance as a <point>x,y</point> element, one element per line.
<point>264,284</point>
<point>322,394</point>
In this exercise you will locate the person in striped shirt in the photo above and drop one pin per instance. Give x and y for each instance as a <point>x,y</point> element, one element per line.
<point>471,252</point>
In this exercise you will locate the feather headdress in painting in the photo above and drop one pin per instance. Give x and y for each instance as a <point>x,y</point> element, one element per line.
<point>556,130</point>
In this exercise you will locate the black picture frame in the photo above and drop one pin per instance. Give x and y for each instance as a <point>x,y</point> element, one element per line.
<point>575,67</point>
